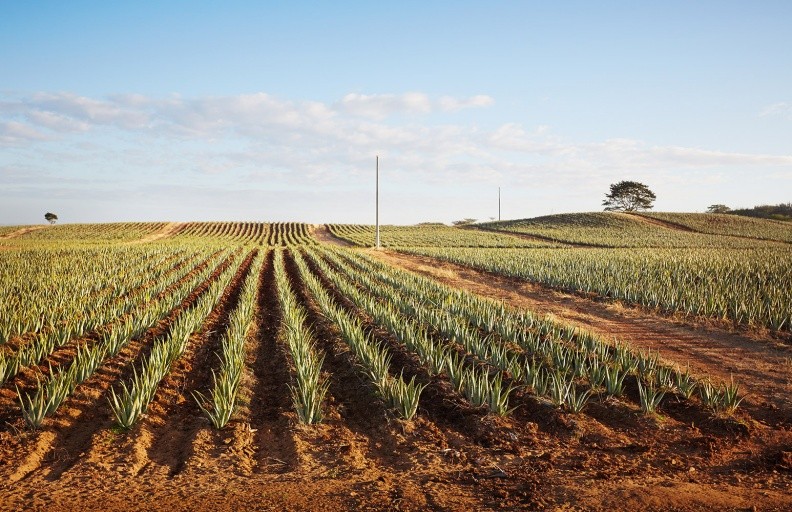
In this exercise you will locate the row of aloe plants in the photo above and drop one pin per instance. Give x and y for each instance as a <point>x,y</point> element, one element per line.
<point>133,399</point>
<point>221,403</point>
<point>309,387</point>
<point>401,396</point>
<point>552,359</point>
<point>58,384</point>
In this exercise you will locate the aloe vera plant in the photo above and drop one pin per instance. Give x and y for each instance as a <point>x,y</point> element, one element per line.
<point>649,398</point>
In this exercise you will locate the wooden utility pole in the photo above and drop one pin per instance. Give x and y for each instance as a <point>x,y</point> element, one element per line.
<point>377,202</point>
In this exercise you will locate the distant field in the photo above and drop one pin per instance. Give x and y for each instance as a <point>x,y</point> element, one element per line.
<point>258,233</point>
<point>606,229</point>
<point>91,233</point>
<point>429,236</point>
<point>721,224</point>
<point>261,233</point>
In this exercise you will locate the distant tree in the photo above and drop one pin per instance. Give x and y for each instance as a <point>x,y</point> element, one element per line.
<point>718,208</point>
<point>463,222</point>
<point>628,196</point>
<point>781,211</point>
<point>51,217</point>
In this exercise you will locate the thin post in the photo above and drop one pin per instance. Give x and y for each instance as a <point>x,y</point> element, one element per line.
<point>498,203</point>
<point>377,201</point>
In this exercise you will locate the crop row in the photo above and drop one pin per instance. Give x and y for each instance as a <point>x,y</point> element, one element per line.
<point>223,396</point>
<point>309,386</point>
<point>484,349</point>
<point>372,357</point>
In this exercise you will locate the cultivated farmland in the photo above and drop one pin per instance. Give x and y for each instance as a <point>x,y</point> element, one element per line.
<point>249,365</point>
<point>430,236</point>
<point>612,229</point>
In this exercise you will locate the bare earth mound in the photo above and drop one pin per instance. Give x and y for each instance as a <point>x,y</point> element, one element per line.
<point>323,234</point>
<point>20,232</point>
<point>167,230</point>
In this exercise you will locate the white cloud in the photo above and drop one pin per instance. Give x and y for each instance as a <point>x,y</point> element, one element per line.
<point>782,109</point>
<point>91,110</point>
<point>451,104</point>
<point>15,132</point>
<point>57,121</point>
<point>514,137</point>
<point>380,106</point>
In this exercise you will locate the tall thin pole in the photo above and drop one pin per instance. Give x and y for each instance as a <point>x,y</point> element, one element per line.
<point>377,196</point>
<point>498,203</point>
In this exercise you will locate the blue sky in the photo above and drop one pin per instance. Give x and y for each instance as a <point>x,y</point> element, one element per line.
<point>275,110</point>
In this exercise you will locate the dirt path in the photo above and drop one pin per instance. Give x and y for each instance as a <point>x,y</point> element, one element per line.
<point>167,230</point>
<point>763,368</point>
<point>673,225</point>
<point>656,222</point>
<point>20,232</point>
<point>526,236</point>
<point>323,234</point>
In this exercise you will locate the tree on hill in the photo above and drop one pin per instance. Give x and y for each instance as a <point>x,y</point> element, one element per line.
<point>628,196</point>
<point>463,222</point>
<point>51,217</point>
<point>718,208</point>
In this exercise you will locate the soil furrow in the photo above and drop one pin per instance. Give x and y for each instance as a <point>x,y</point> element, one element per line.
<point>169,229</point>
<point>634,216</point>
<point>275,449</point>
<point>533,238</point>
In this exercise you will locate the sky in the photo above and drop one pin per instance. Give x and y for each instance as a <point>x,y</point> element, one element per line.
<point>276,111</point>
